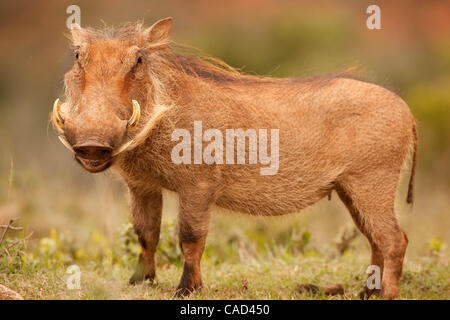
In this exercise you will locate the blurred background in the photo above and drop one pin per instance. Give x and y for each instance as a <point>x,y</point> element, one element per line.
<point>41,183</point>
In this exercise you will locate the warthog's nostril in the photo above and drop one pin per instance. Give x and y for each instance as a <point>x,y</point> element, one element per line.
<point>106,152</point>
<point>93,151</point>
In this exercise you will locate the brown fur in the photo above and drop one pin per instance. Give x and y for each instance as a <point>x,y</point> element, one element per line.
<point>336,133</point>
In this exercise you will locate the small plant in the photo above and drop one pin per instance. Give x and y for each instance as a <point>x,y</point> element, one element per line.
<point>58,249</point>
<point>345,239</point>
<point>300,241</point>
<point>436,247</point>
<point>168,251</point>
<point>130,249</point>
<point>12,250</point>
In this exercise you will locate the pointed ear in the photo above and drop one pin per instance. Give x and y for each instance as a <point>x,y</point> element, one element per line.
<point>76,34</point>
<point>157,36</point>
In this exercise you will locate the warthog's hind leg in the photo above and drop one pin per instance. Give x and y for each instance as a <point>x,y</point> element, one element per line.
<point>370,200</point>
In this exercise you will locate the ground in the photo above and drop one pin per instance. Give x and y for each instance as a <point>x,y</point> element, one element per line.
<point>245,257</point>
<point>274,274</point>
<point>273,279</point>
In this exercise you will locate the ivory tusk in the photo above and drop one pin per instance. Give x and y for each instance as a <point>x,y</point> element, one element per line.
<point>143,134</point>
<point>57,118</point>
<point>65,143</point>
<point>132,123</point>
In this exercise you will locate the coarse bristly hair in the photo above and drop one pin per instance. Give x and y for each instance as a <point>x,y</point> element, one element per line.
<point>192,61</point>
<point>335,134</point>
<point>177,61</point>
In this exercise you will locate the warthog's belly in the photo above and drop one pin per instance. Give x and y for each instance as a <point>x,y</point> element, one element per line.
<point>271,202</point>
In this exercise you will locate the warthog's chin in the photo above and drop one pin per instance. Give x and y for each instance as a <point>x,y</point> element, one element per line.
<point>94,166</point>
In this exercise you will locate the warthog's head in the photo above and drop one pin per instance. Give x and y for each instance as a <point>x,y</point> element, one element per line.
<point>105,88</point>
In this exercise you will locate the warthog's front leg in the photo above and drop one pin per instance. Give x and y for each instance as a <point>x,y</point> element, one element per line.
<point>146,209</point>
<point>194,219</point>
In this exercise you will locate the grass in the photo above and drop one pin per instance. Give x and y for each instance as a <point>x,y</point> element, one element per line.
<point>39,270</point>
<point>86,224</point>
<point>78,218</point>
<point>274,278</point>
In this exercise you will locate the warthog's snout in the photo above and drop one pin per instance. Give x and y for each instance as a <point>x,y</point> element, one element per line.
<point>95,137</point>
<point>94,157</point>
<point>93,151</point>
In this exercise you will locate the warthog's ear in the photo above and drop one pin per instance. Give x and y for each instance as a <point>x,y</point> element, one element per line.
<point>76,33</point>
<point>157,36</point>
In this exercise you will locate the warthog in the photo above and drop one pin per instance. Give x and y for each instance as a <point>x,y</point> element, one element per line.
<point>130,89</point>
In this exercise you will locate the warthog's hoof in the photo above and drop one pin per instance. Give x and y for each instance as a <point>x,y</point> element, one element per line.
<point>139,277</point>
<point>186,291</point>
<point>389,293</point>
<point>332,290</point>
<point>366,293</point>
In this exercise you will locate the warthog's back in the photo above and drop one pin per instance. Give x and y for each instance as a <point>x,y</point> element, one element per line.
<point>327,128</point>
<point>343,127</point>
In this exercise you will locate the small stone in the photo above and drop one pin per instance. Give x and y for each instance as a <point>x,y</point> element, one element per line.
<point>331,290</point>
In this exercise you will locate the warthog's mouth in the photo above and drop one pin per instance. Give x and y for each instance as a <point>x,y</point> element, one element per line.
<point>98,165</point>
<point>94,166</point>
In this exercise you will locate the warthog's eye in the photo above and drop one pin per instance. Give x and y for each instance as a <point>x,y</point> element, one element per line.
<point>136,71</point>
<point>76,52</point>
<point>140,57</point>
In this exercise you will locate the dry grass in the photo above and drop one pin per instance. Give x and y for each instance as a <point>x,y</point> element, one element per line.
<point>246,258</point>
<point>272,279</point>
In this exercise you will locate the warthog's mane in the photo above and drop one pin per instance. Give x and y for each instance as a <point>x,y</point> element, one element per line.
<point>175,64</point>
<point>190,61</point>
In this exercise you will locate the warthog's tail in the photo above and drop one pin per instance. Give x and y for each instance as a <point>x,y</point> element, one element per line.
<point>410,197</point>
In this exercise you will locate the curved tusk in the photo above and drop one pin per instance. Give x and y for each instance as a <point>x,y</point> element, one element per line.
<point>65,143</point>
<point>132,123</point>
<point>56,115</point>
<point>144,133</point>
